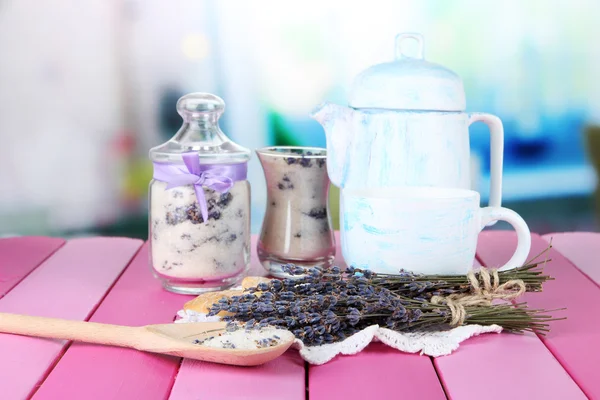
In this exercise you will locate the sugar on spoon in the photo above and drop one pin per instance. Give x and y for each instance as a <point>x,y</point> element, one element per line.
<point>173,339</point>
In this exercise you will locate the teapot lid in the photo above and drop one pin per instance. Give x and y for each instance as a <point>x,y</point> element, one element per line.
<point>409,83</point>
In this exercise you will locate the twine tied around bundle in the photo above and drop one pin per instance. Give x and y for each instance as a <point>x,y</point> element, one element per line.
<point>480,295</point>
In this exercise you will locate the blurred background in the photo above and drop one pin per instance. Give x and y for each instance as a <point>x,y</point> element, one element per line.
<point>87,87</point>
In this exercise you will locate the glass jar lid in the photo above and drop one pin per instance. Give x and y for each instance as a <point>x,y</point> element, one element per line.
<point>201,133</point>
<point>408,83</point>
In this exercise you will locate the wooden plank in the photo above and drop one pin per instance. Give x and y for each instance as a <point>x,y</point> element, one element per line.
<point>574,342</point>
<point>69,285</point>
<point>378,372</point>
<point>522,363</point>
<point>96,372</point>
<point>581,248</point>
<point>21,255</point>
<point>282,378</point>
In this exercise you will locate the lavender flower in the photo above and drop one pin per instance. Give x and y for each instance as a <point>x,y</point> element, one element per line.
<point>275,285</point>
<point>353,316</point>
<point>263,287</point>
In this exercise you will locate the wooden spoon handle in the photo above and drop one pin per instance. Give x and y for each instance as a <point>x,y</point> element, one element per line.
<point>54,328</point>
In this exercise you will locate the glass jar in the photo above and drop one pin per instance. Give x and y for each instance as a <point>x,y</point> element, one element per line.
<point>297,225</point>
<point>199,220</point>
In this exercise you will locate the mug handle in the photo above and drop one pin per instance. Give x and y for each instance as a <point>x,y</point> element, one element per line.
<point>489,214</point>
<point>496,154</point>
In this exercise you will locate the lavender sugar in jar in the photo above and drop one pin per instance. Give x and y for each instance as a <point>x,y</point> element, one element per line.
<point>199,222</point>
<point>297,224</point>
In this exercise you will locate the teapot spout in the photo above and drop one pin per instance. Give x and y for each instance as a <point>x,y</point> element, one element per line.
<point>337,121</point>
<point>320,112</point>
<point>326,113</point>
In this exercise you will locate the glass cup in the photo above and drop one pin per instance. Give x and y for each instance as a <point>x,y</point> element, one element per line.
<point>297,225</point>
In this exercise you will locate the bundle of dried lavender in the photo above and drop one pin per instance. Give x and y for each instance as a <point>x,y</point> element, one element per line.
<point>326,306</point>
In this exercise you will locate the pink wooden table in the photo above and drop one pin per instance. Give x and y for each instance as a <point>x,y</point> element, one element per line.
<point>108,280</point>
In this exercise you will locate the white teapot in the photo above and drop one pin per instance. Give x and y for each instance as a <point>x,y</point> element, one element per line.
<point>405,126</point>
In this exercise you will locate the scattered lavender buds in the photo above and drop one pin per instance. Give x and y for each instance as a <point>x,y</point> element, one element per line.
<point>236,337</point>
<point>327,305</point>
<point>266,342</point>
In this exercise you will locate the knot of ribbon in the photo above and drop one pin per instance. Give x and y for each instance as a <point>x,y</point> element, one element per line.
<point>218,177</point>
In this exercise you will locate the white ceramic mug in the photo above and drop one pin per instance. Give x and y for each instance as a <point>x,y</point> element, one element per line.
<point>420,229</point>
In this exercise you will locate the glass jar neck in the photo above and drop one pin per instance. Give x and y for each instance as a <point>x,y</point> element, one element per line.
<point>203,128</point>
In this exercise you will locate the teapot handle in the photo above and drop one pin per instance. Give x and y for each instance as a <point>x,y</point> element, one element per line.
<point>496,154</point>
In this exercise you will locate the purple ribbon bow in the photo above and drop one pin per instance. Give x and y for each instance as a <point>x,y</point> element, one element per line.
<point>218,177</point>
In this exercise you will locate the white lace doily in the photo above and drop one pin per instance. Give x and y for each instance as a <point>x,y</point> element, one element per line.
<point>435,344</point>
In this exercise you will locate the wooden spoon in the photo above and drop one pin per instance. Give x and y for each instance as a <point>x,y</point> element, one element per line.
<point>172,339</point>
